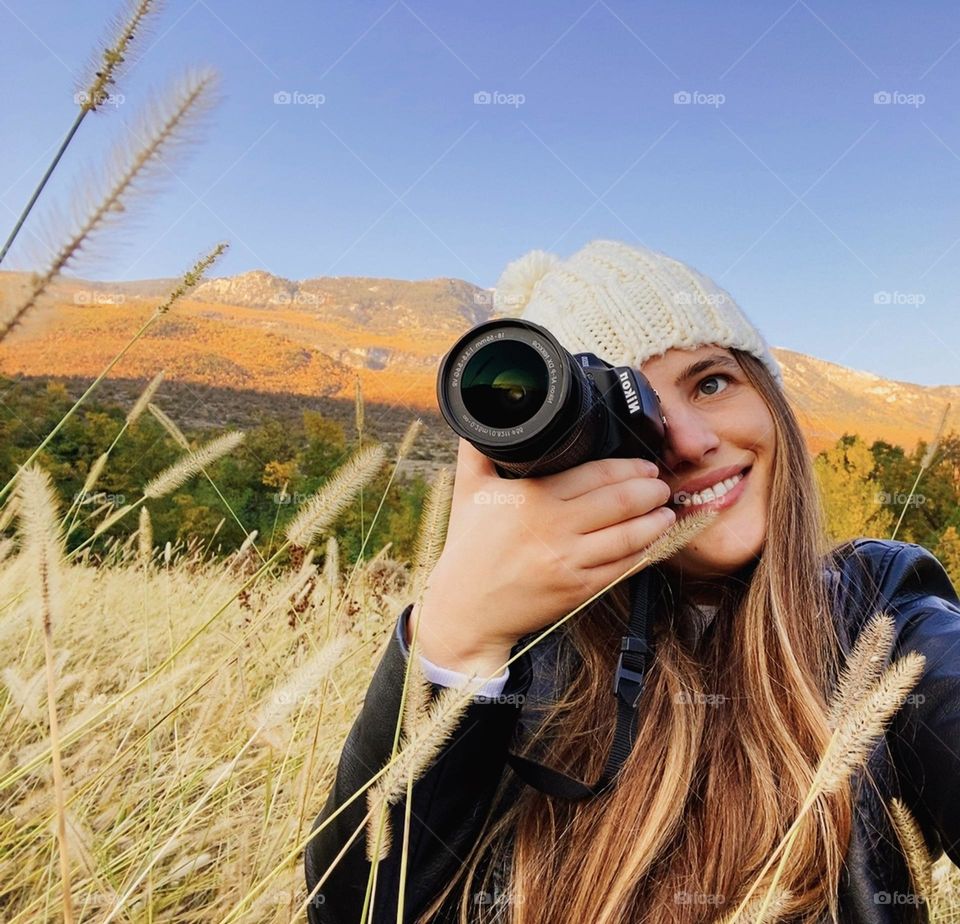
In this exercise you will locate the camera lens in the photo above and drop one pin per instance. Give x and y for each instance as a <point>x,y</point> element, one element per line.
<point>504,384</point>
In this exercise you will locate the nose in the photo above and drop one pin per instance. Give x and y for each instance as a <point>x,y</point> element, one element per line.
<point>689,437</point>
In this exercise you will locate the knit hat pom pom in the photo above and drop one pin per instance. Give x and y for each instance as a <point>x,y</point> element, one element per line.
<point>516,283</point>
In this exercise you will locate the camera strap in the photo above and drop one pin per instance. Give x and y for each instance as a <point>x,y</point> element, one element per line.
<point>636,654</point>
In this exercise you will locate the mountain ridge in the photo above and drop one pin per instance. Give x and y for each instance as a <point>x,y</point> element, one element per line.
<point>314,337</point>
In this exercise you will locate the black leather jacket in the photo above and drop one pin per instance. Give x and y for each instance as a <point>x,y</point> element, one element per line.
<point>918,758</point>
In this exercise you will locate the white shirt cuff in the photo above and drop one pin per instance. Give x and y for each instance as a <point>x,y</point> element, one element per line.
<point>448,678</point>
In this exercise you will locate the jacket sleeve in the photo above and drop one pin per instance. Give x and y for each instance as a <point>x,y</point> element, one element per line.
<point>449,805</point>
<point>925,739</point>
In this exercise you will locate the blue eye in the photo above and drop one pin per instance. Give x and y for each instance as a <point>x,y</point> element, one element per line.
<point>715,376</point>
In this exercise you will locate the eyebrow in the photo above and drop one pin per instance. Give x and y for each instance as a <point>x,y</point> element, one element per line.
<point>701,365</point>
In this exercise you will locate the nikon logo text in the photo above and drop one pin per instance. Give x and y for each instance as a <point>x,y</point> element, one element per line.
<point>633,402</point>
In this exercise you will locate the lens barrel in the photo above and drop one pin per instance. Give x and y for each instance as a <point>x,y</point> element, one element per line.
<point>509,388</point>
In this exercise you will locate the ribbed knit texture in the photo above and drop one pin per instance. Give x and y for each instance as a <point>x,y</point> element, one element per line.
<point>626,304</point>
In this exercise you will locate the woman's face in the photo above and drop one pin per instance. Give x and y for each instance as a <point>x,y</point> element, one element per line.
<point>718,429</point>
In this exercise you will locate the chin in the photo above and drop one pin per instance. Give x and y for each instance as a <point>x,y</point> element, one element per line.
<point>722,548</point>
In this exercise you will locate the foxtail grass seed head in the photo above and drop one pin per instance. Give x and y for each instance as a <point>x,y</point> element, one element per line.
<point>919,861</point>
<point>145,155</point>
<point>755,913</point>
<point>116,55</point>
<point>167,423</point>
<point>42,540</point>
<point>433,524</point>
<point>419,751</point>
<point>378,826</point>
<point>96,470</point>
<point>145,538</point>
<point>146,396</point>
<point>416,706</point>
<point>8,511</point>
<point>334,497</point>
<point>193,276</point>
<point>302,684</point>
<point>358,406</point>
<point>192,464</point>
<point>855,736</point>
<point>409,438</point>
<point>676,536</point>
<point>935,444</point>
<point>863,668</point>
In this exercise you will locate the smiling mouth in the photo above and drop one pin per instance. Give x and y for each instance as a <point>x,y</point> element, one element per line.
<point>718,496</point>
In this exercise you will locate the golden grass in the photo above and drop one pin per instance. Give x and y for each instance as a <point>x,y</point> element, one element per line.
<point>189,796</point>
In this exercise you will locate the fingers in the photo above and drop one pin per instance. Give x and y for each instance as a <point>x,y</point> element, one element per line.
<point>626,539</point>
<point>613,503</point>
<point>589,476</point>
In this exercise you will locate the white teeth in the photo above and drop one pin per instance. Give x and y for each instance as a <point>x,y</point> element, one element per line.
<point>709,494</point>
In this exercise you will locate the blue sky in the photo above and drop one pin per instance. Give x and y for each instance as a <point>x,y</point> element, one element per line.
<point>832,218</point>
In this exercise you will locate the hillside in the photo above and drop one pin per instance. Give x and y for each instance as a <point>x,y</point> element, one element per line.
<point>256,335</point>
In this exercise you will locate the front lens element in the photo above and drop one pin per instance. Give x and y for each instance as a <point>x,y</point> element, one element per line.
<point>504,383</point>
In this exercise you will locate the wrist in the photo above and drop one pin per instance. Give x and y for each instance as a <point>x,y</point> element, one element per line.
<point>446,643</point>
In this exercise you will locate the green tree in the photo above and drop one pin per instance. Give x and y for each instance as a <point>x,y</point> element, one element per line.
<point>853,500</point>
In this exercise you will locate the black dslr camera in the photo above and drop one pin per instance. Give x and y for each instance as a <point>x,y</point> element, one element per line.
<point>510,389</point>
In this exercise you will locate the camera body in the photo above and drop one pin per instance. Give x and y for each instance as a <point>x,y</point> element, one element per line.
<point>509,388</point>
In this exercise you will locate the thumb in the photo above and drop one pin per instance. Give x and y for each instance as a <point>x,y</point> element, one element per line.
<point>473,466</point>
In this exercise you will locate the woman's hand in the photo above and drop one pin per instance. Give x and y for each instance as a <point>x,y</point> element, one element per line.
<point>521,553</point>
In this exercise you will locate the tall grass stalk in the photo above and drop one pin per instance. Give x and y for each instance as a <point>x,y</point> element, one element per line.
<point>109,63</point>
<point>367,466</point>
<point>848,747</point>
<point>166,126</point>
<point>190,280</point>
<point>43,549</point>
<point>924,465</point>
<point>671,541</point>
<point>97,468</point>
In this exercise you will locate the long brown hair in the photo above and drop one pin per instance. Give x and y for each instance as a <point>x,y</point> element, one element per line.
<point>731,724</point>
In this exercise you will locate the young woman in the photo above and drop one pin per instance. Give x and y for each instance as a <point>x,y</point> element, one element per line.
<point>750,632</point>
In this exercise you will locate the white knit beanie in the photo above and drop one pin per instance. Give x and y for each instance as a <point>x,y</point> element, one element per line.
<point>625,303</point>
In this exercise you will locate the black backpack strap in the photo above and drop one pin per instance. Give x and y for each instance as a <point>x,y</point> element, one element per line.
<point>636,653</point>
